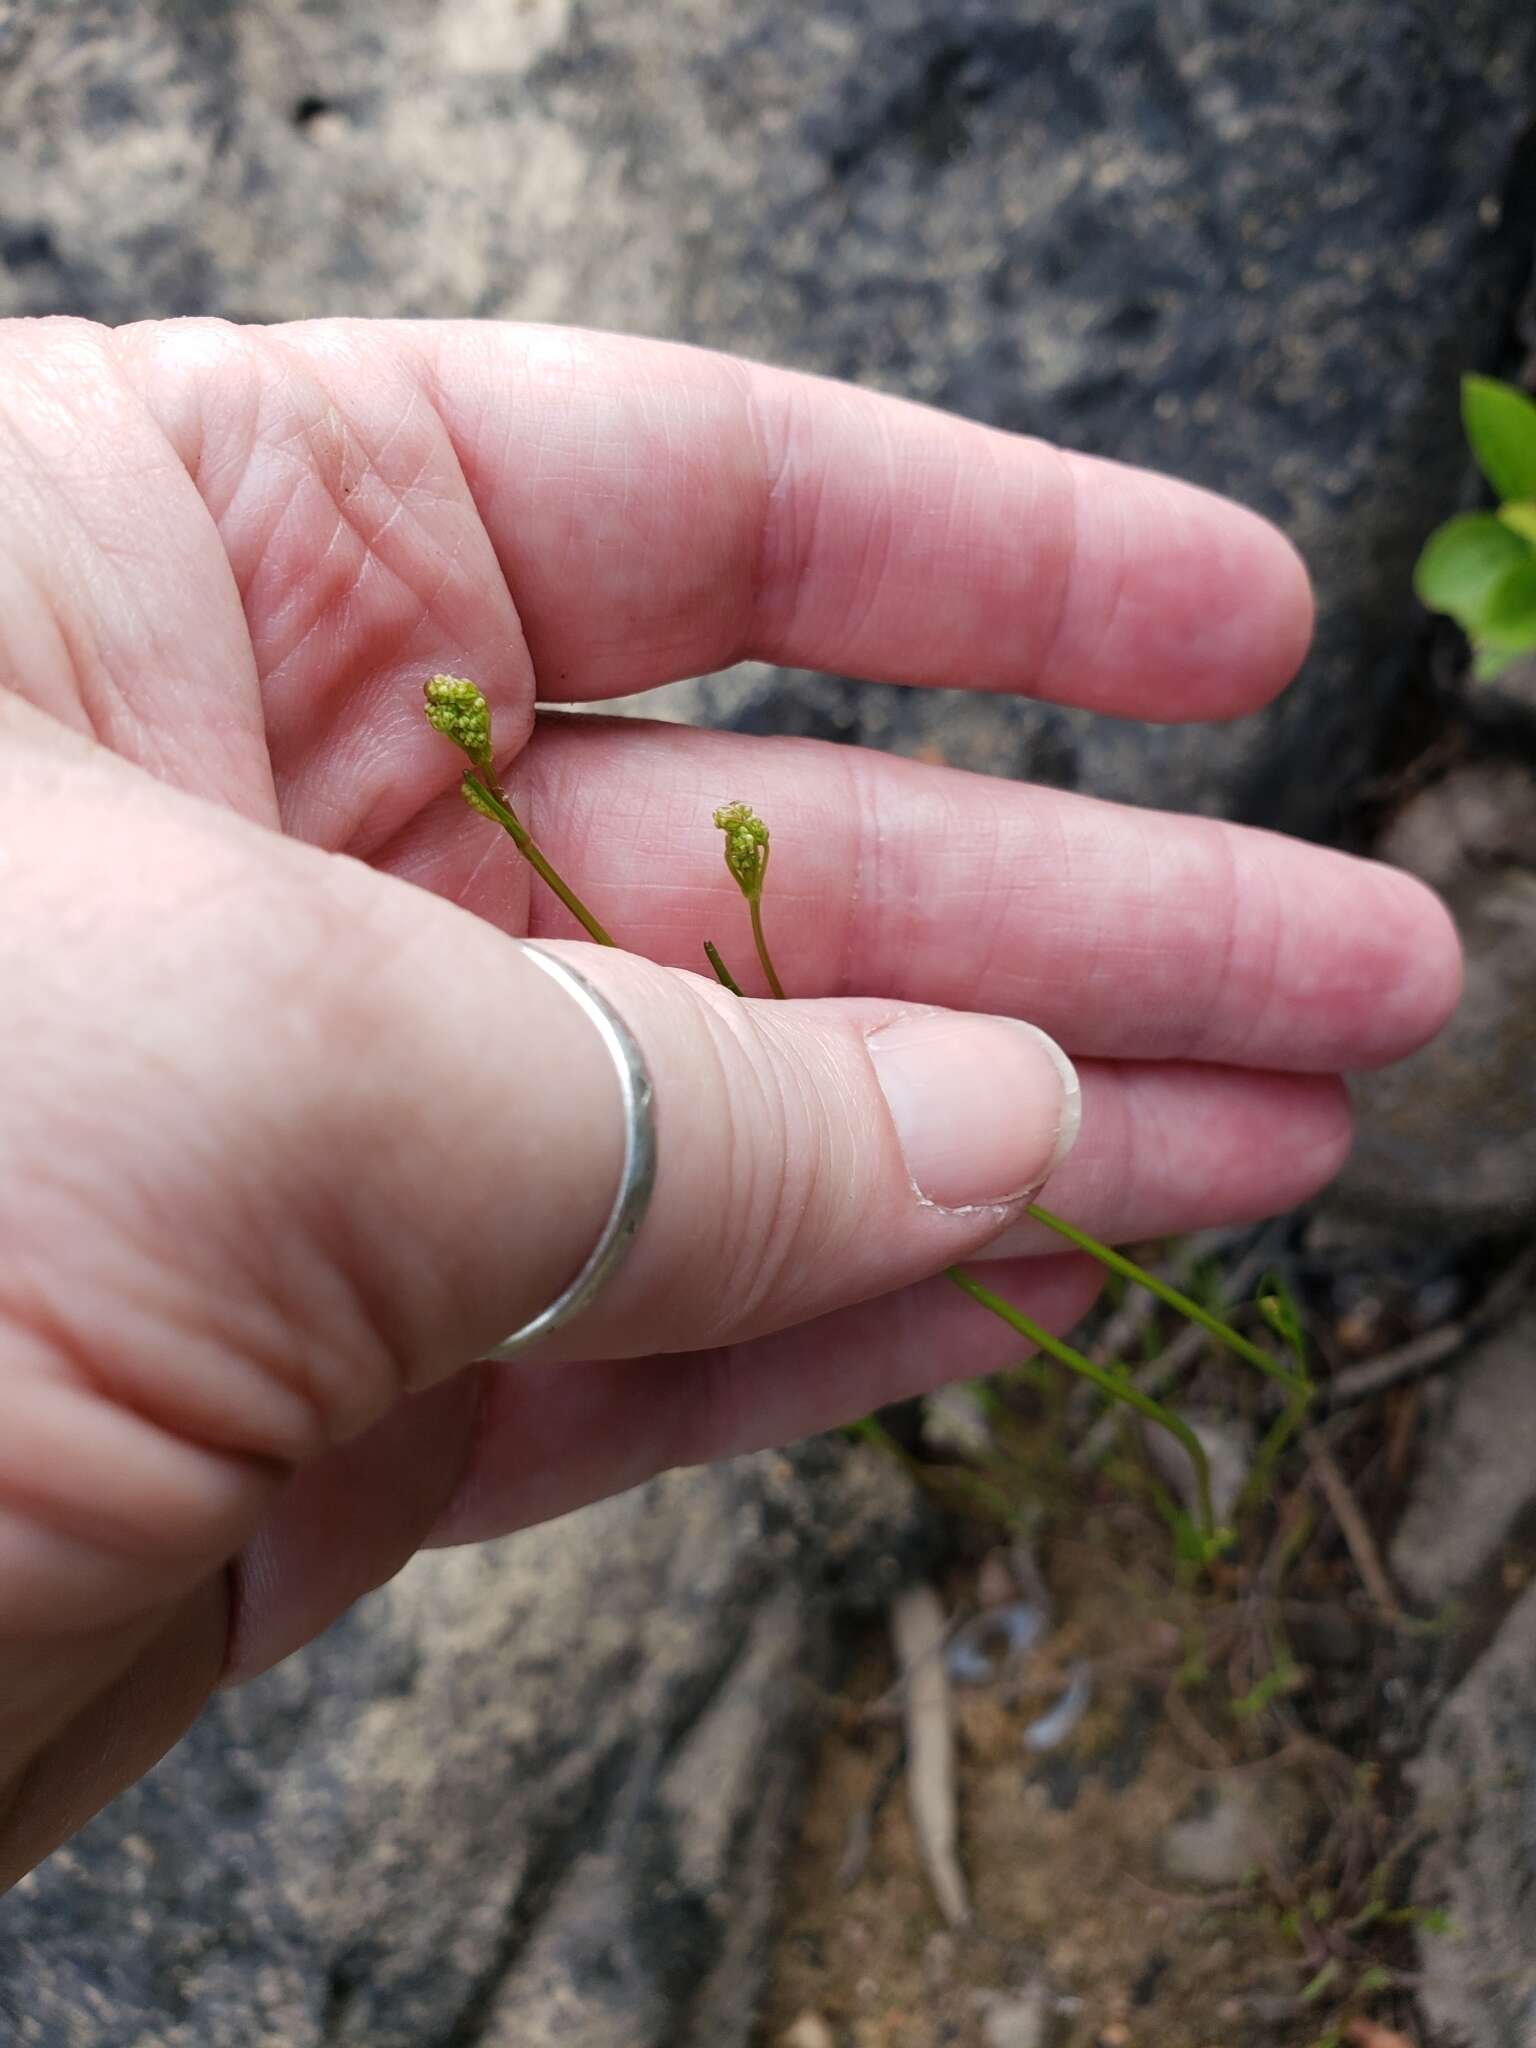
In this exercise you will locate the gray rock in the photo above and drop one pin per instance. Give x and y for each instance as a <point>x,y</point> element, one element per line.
<point>809,2031</point>
<point>1237,1828</point>
<point>1228,1443</point>
<point>1476,1790</point>
<point>531,1792</point>
<point>1447,1140</point>
<point>1479,817</point>
<point>1250,245</point>
<point>1478,1471</point>
<point>1016,2019</point>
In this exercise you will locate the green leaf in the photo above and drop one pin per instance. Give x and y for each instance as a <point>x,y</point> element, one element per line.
<point>1519,519</point>
<point>1508,621</point>
<point>1501,426</point>
<point>1462,564</point>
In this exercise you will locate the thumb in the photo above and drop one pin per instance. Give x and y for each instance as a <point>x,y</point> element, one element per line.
<point>811,1154</point>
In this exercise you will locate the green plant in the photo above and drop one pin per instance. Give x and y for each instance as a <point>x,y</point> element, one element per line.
<point>746,855</point>
<point>459,711</point>
<point>1480,568</point>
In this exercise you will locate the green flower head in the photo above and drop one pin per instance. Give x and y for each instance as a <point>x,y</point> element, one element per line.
<point>746,847</point>
<point>460,713</point>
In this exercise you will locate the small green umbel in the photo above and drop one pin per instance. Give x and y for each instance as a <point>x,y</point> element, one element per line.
<point>458,710</point>
<point>746,856</point>
<point>746,847</point>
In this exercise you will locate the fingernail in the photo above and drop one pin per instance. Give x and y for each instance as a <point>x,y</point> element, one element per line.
<point>986,1108</point>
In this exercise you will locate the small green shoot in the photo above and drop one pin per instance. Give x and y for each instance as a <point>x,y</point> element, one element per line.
<point>458,710</point>
<point>1280,1679</point>
<point>1278,1309</point>
<point>1205,1541</point>
<point>1480,568</point>
<point>1325,1980</point>
<point>722,973</point>
<point>746,855</point>
<point>1183,1304</point>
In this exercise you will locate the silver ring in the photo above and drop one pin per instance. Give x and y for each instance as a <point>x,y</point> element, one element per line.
<point>637,1176</point>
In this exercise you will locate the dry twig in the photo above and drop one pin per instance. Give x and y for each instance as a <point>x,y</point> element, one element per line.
<point>918,1630</point>
<point>1329,1478</point>
<point>861,1827</point>
<point>1421,1355</point>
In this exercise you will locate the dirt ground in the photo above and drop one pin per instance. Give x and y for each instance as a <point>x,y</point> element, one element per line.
<point>1221,1851</point>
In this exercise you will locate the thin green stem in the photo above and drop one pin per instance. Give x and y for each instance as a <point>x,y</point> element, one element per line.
<point>722,973</point>
<point>1117,1262</point>
<point>1117,1387</point>
<point>775,985</point>
<point>494,803</point>
<point>1279,1434</point>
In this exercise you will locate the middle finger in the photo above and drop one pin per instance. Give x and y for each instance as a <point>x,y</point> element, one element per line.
<point>1124,933</point>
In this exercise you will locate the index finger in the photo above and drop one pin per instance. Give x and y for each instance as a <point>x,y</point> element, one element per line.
<point>660,511</point>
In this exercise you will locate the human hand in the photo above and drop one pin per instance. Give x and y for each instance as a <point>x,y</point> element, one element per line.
<point>288,1141</point>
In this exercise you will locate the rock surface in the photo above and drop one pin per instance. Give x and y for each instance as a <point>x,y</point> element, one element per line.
<point>1476,1786</point>
<point>532,1792</point>
<point>1447,1140</point>
<point>1017,2019</point>
<point>1477,1473</point>
<point>1236,1829</point>
<point>1251,245</point>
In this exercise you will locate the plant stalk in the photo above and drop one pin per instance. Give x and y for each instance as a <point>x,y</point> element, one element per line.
<point>722,973</point>
<point>776,987</point>
<point>495,804</point>
<point>1119,1389</point>
<point>1181,1303</point>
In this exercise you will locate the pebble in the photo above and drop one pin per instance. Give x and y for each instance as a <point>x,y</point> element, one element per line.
<point>1238,1824</point>
<point>1015,2019</point>
<point>809,2031</point>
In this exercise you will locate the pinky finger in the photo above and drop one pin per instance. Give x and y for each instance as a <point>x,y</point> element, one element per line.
<point>550,1438</point>
<point>509,1445</point>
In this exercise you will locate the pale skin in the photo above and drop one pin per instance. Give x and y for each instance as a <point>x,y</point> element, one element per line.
<point>286,1142</point>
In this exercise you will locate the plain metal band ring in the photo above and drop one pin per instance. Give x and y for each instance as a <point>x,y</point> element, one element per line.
<point>638,1174</point>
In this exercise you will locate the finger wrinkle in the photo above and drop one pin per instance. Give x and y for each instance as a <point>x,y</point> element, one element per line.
<point>1055,545</point>
<point>780,427</point>
<point>761,1230</point>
